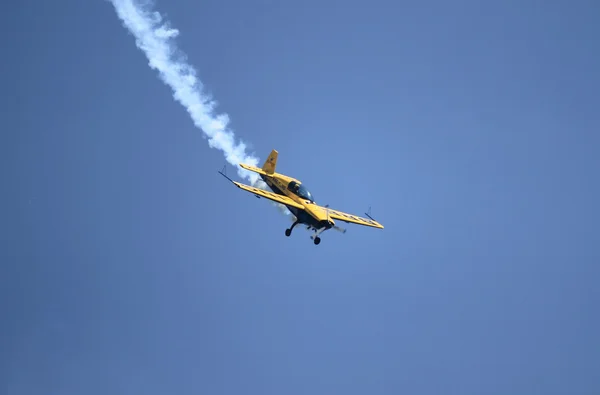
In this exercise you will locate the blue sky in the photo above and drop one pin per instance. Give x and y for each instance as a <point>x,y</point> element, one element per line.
<point>130,266</point>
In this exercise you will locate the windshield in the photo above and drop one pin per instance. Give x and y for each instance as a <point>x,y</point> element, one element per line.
<point>304,193</point>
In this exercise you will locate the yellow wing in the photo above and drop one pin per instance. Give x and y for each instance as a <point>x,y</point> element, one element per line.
<point>335,214</point>
<point>269,195</point>
<point>253,168</point>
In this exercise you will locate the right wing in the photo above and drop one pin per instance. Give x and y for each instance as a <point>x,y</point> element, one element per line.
<point>336,214</point>
<point>269,195</point>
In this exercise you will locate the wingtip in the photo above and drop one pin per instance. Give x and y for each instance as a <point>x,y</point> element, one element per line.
<point>222,172</point>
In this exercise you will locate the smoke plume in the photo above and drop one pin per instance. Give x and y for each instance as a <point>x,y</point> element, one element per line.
<point>156,39</point>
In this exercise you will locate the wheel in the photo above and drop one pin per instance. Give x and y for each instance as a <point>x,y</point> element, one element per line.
<point>288,232</point>
<point>317,240</point>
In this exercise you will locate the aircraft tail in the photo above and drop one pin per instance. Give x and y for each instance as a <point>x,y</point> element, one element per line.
<point>270,163</point>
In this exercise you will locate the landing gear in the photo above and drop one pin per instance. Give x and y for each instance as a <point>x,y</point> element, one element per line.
<point>315,237</point>
<point>288,232</point>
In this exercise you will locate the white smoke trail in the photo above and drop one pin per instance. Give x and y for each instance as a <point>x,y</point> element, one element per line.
<point>156,39</point>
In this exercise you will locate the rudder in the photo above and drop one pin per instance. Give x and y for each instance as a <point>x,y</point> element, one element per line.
<point>270,163</point>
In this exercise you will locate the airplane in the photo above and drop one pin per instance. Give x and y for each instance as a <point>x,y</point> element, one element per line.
<point>296,197</point>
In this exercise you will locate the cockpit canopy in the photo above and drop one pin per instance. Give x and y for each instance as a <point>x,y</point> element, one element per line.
<point>300,190</point>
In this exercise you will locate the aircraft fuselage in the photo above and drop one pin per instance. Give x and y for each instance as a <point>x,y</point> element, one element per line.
<point>313,214</point>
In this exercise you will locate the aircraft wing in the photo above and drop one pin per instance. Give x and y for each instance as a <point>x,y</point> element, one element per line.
<point>269,195</point>
<point>253,168</point>
<point>336,214</point>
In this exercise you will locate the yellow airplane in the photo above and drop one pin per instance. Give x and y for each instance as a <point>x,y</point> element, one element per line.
<point>291,193</point>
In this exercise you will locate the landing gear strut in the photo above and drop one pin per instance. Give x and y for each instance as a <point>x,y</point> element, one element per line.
<point>288,232</point>
<point>316,239</point>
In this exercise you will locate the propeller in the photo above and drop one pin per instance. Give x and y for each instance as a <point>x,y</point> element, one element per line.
<point>336,227</point>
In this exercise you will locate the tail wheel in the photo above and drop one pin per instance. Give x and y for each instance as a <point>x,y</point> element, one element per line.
<point>288,232</point>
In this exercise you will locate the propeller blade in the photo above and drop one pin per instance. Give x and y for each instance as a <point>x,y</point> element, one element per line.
<point>339,229</point>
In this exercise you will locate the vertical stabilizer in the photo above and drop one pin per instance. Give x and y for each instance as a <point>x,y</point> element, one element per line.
<point>270,163</point>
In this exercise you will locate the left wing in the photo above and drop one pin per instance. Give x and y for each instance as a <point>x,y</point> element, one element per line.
<point>335,214</point>
<point>269,195</point>
<point>253,168</point>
